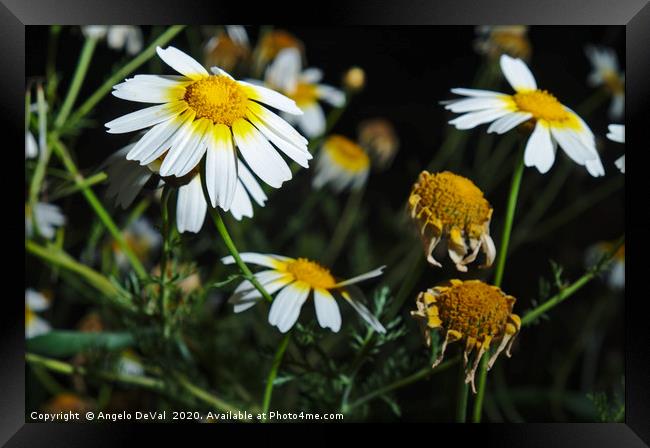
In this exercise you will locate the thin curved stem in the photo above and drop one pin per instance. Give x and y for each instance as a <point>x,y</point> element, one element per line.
<point>273,373</point>
<point>164,291</point>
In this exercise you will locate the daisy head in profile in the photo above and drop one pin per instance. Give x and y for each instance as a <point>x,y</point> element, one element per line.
<point>553,124</point>
<point>35,302</point>
<point>341,164</point>
<point>448,206</point>
<point>607,74</point>
<point>617,134</point>
<point>298,279</point>
<point>286,75</point>
<point>126,179</point>
<point>472,312</point>
<point>201,113</point>
<point>118,37</point>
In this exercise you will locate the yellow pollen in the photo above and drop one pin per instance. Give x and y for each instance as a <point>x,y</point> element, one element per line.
<point>304,94</point>
<point>217,98</point>
<point>346,153</point>
<point>474,309</point>
<point>312,273</point>
<point>542,105</point>
<point>447,201</point>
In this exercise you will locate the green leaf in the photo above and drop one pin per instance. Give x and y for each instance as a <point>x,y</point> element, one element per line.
<point>67,343</point>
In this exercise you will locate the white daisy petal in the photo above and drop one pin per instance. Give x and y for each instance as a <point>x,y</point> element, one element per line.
<point>253,188</point>
<point>359,278</point>
<point>313,121</point>
<point>246,295</point>
<point>241,205</point>
<point>475,92</point>
<point>286,307</point>
<point>300,154</point>
<point>36,327</point>
<point>616,133</point>
<point>517,73</point>
<point>363,311</point>
<point>473,119</point>
<point>31,147</point>
<point>277,124</point>
<point>260,156</point>
<point>268,260</point>
<point>182,63</point>
<point>144,118</point>
<point>311,75</point>
<point>270,97</point>
<point>35,300</point>
<point>187,148</point>
<point>145,91</point>
<point>155,142</point>
<point>284,71</point>
<point>539,150</point>
<point>221,167</point>
<point>475,104</point>
<point>191,207</point>
<point>595,167</point>
<point>327,310</point>
<point>331,95</point>
<point>508,122</point>
<point>620,163</point>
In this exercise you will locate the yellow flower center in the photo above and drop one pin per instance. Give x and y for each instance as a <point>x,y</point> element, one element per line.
<point>473,308</point>
<point>447,200</point>
<point>346,153</point>
<point>613,83</point>
<point>312,273</point>
<point>541,104</point>
<point>29,315</point>
<point>217,98</point>
<point>304,94</point>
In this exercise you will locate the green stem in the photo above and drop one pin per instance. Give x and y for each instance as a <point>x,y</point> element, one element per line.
<point>43,156</point>
<point>99,209</point>
<point>77,80</point>
<point>277,360</point>
<point>88,182</point>
<point>344,226</point>
<point>205,396</point>
<point>498,276</point>
<point>567,292</point>
<point>164,292</point>
<point>463,392</point>
<point>119,75</point>
<point>417,376</point>
<point>50,66</point>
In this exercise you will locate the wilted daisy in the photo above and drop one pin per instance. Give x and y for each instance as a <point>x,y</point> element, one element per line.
<point>118,37</point>
<point>606,73</point>
<point>48,217</point>
<point>141,238</point>
<point>342,164</point>
<point>617,134</point>
<point>228,49</point>
<point>472,312</point>
<point>378,137</point>
<point>446,205</point>
<point>297,279</point>
<point>127,178</point>
<point>285,74</point>
<point>201,112</point>
<point>615,272</point>
<point>554,124</point>
<point>34,303</point>
<point>493,41</point>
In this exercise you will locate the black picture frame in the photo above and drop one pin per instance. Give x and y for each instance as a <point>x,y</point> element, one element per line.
<point>15,15</point>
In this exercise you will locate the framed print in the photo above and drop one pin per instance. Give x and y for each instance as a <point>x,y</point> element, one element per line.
<point>406,215</point>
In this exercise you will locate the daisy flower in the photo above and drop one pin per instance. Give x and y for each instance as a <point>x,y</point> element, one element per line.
<point>285,74</point>
<point>228,48</point>
<point>48,218</point>
<point>35,302</point>
<point>379,138</point>
<point>617,134</point>
<point>199,113</point>
<point>493,41</point>
<point>129,363</point>
<point>296,279</point>
<point>446,205</point>
<point>342,164</point>
<point>606,73</point>
<point>118,37</point>
<point>141,237</point>
<point>270,44</point>
<point>554,124</point>
<point>472,312</point>
<point>127,178</point>
<point>615,272</point>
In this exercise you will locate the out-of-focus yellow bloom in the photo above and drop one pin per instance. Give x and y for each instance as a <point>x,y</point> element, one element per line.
<point>448,205</point>
<point>378,137</point>
<point>342,164</point>
<point>271,43</point>
<point>354,79</point>
<point>493,41</point>
<point>472,312</point>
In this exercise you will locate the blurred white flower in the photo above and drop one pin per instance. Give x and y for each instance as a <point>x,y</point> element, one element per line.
<point>617,134</point>
<point>342,164</point>
<point>48,218</point>
<point>35,302</point>
<point>118,37</point>
<point>606,73</point>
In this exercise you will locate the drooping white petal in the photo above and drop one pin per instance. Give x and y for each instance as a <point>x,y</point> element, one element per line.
<point>187,148</point>
<point>313,121</point>
<point>241,204</point>
<point>475,104</point>
<point>300,154</point>
<point>363,311</point>
<point>246,295</point>
<point>539,150</point>
<point>286,307</point>
<point>595,167</point>
<point>508,122</point>
<point>327,310</point>
<point>517,73</point>
<point>191,207</point>
<point>182,63</point>
<point>221,167</point>
<point>620,163</point>
<point>331,95</point>
<point>156,141</point>
<point>144,118</point>
<point>260,156</point>
<point>253,188</point>
<point>283,72</point>
<point>475,92</point>
<point>359,278</point>
<point>268,260</point>
<point>572,145</point>
<point>473,119</point>
<point>616,133</point>
<point>277,124</point>
<point>270,97</point>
